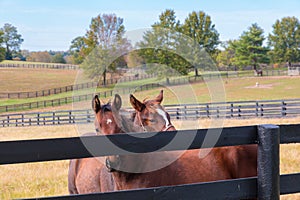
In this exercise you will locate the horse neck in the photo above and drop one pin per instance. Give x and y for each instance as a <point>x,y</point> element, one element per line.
<point>151,178</point>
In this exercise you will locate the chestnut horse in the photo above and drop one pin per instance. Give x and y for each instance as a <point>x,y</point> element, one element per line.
<point>142,170</point>
<point>89,175</point>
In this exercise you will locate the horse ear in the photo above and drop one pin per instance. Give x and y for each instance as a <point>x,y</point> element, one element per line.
<point>96,105</point>
<point>136,104</point>
<point>160,97</point>
<point>117,102</point>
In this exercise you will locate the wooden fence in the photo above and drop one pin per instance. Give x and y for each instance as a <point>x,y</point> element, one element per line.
<point>48,92</point>
<point>268,185</point>
<point>39,65</point>
<point>69,88</point>
<point>66,100</point>
<point>239,109</point>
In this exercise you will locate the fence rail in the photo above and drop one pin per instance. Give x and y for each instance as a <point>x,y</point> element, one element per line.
<point>66,100</point>
<point>48,92</point>
<point>239,109</point>
<point>39,65</point>
<point>69,88</point>
<point>267,185</point>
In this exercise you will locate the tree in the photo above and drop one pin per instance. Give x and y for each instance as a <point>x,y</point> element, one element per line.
<point>77,50</point>
<point>40,56</point>
<point>58,58</point>
<point>133,59</point>
<point>2,50</point>
<point>284,40</point>
<point>199,27</point>
<point>159,45</point>
<point>12,41</point>
<point>225,57</point>
<point>104,44</point>
<point>249,49</point>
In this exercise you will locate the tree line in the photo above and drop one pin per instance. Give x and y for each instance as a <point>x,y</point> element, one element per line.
<point>169,45</point>
<point>11,41</point>
<point>252,48</point>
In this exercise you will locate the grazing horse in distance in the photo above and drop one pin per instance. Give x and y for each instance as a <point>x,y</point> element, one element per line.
<point>258,72</point>
<point>136,171</point>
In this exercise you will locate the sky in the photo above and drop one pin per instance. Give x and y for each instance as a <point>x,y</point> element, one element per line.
<point>53,24</point>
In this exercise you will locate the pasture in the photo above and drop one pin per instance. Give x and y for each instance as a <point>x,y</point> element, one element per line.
<point>24,79</point>
<point>50,178</point>
<point>236,89</point>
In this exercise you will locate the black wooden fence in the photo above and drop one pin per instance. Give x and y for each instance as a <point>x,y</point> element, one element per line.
<point>75,87</point>
<point>239,109</point>
<point>268,185</point>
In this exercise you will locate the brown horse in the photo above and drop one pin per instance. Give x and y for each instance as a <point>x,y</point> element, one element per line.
<point>130,172</point>
<point>85,176</point>
<point>89,175</point>
<point>242,160</point>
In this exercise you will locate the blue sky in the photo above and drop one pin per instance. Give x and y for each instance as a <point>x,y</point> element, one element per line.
<point>52,24</point>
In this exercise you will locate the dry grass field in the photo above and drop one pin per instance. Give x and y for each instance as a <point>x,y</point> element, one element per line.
<point>25,80</point>
<point>50,178</point>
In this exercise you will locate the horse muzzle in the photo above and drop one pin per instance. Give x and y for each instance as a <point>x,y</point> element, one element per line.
<point>112,165</point>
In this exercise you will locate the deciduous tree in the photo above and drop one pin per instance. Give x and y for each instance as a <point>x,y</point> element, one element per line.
<point>284,40</point>
<point>2,50</point>
<point>11,40</point>
<point>77,50</point>
<point>200,28</point>
<point>104,45</point>
<point>159,46</point>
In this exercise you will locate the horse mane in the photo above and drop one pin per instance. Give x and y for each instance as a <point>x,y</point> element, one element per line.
<point>127,124</point>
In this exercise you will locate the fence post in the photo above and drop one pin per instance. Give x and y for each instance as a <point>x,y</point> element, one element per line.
<point>22,119</point>
<point>262,110</point>
<point>283,109</point>
<point>268,177</point>
<point>207,110</point>
<point>53,118</point>
<point>38,119</point>
<point>88,119</point>
<point>178,113</point>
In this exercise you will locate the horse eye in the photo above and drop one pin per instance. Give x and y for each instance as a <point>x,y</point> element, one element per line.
<point>152,120</point>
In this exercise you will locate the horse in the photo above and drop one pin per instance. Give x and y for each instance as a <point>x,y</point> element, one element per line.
<point>137,171</point>
<point>89,175</point>
<point>85,176</point>
<point>258,72</point>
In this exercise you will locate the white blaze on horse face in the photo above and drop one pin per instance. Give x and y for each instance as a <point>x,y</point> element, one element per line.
<point>164,115</point>
<point>108,121</point>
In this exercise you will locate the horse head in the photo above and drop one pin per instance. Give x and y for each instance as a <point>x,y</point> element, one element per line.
<point>107,117</point>
<point>109,120</point>
<point>151,115</point>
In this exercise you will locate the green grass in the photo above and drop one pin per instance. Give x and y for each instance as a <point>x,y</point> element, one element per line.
<point>233,89</point>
